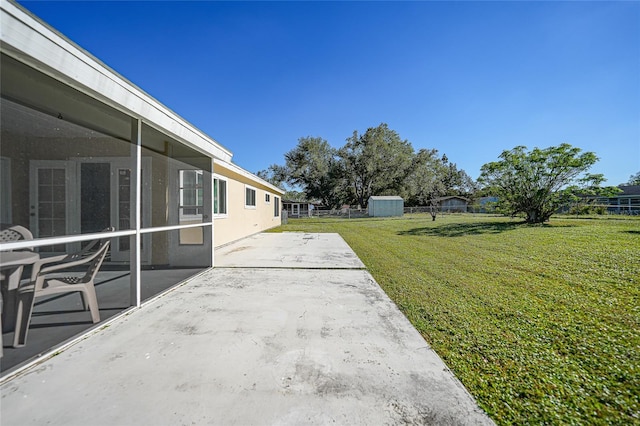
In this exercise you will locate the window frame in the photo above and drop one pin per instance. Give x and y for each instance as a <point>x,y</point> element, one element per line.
<point>255,195</point>
<point>196,189</point>
<point>267,198</point>
<point>226,196</point>
<point>276,206</point>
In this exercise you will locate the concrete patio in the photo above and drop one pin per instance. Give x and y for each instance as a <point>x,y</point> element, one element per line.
<point>288,329</point>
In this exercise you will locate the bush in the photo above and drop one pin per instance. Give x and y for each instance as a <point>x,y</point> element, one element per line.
<point>587,209</point>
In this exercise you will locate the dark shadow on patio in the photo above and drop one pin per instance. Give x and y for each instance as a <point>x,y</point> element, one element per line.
<point>59,318</point>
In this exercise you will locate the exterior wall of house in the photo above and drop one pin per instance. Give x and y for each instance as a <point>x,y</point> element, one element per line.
<point>624,205</point>
<point>627,202</point>
<point>240,220</point>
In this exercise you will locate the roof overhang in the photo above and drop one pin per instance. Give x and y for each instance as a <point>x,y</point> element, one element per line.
<point>245,174</point>
<point>29,40</point>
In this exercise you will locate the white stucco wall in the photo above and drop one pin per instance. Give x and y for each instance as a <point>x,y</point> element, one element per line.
<point>241,221</point>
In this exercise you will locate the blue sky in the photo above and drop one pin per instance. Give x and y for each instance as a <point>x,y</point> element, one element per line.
<point>470,79</point>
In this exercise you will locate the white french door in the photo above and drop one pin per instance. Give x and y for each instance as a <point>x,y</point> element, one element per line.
<point>113,176</point>
<point>53,201</point>
<point>85,196</point>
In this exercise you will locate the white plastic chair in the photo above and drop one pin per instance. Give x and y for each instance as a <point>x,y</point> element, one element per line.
<point>46,280</point>
<point>10,233</point>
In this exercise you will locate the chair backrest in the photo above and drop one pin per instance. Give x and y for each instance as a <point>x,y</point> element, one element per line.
<point>97,258</point>
<point>96,262</point>
<point>90,257</point>
<point>11,233</point>
<point>91,247</point>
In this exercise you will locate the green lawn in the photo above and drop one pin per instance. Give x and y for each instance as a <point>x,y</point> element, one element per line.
<point>540,323</point>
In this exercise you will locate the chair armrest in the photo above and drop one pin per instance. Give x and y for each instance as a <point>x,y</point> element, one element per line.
<point>37,266</point>
<point>70,261</point>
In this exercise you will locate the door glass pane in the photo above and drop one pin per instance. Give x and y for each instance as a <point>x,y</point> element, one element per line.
<point>95,197</point>
<point>51,205</point>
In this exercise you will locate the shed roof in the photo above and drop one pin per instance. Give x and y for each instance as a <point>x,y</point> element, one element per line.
<point>451,197</point>
<point>299,202</point>
<point>386,197</point>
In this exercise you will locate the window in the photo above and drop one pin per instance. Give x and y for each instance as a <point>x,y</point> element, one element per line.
<point>219,196</point>
<point>191,193</point>
<point>267,198</point>
<point>276,206</point>
<point>191,206</point>
<point>249,197</point>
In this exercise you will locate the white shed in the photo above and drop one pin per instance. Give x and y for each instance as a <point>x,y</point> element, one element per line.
<point>384,206</point>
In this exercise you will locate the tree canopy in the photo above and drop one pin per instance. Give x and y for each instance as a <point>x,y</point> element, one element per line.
<point>431,177</point>
<point>314,166</point>
<point>380,162</point>
<point>275,175</point>
<point>530,182</point>
<point>377,162</point>
<point>634,179</point>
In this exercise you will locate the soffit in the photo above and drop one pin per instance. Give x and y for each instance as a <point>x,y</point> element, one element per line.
<point>31,41</point>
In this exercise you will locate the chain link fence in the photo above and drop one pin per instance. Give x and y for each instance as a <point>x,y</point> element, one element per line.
<point>629,209</point>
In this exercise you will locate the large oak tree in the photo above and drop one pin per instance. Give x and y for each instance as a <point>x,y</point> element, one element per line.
<point>313,166</point>
<point>376,163</point>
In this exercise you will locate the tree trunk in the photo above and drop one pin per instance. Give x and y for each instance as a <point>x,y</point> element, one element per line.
<point>531,216</point>
<point>537,216</point>
<point>434,212</point>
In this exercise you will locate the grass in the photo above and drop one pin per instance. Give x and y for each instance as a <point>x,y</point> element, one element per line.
<point>540,323</point>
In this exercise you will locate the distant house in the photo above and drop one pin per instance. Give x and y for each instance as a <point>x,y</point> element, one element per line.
<point>626,202</point>
<point>453,204</point>
<point>299,208</point>
<point>385,206</point>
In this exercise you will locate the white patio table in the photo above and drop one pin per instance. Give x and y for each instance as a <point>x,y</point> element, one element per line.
<point>11,266</point>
